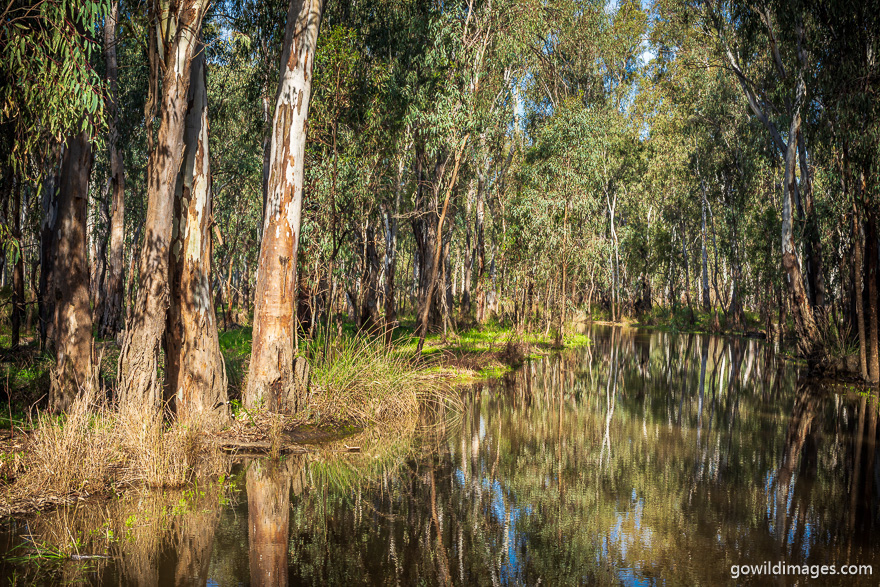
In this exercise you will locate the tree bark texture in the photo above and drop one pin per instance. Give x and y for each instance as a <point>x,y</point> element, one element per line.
<point>271,377</point>
<point>46,305</point>
<point>195,374</point>
<point>112,316</point>
<point>391,250</point>
<point>802,311</point>
<point>17,267</point>
<point>369,314</point>
<point>177,34</point>
<point>871,262</point>
<point>438,246</point>
<point>74,369</point>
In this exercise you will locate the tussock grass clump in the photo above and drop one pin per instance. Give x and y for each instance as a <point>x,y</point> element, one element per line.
<point>71,454</point>
<point>359,379</point>
<point>93,447</point>
<point>161,454</point>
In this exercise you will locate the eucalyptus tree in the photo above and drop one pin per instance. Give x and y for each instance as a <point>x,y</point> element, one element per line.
<point>112,297</point>
<point>172,44</point>
<point>271,378</point>
<point>195,375</point>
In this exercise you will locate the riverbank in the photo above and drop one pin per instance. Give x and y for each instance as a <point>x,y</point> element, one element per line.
<point>357,383</point>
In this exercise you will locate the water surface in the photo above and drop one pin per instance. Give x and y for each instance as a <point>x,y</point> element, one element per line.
<point>647,458</point>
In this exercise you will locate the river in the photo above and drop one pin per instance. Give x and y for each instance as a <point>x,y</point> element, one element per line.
<point>645,458</point>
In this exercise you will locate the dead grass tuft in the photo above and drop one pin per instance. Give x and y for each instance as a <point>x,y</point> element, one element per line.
<point>92,448</point>
<point>360,380</point>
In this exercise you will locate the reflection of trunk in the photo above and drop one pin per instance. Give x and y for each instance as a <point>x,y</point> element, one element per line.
<point>857,464</point>
<point>268,491</point>
<point>806,405</point>
<point>195,374</point>
<point>704,355</point>
<point>271,379</point>
<point>439,548</point>
<point>111,320</point>
<point>139,385</point>
<point>70,288</point>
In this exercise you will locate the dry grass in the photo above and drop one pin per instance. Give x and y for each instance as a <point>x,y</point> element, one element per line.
<point>359,380</point>
<point>93,448</point>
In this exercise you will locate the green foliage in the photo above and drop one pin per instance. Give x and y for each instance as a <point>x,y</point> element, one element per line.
<point>49,88</point>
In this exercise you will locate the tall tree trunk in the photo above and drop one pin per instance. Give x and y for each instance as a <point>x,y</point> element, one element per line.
<point>480,253</point>
<point>98,236</point>
<point>468,268</point>
<point>871,262</point>
<point>111,318</point>
<point>139,385</point>
<point>438,246</point>
<point>813,243</point>
<point>707,305</point>
<point>195,374</point>
<point>369,314</point>
<point>859,300</point>
<point>18,266</point>
<point>74,369</point>
<point>425,233</point>
<point>803,313</point>
<point>391,251</point>
<point>45,300</point>
<point>271,378</point>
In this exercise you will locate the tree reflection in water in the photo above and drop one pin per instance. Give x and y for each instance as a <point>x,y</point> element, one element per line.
<point>647,457</point>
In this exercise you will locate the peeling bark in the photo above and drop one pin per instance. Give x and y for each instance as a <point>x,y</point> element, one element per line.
<point>74,368</point>
<point>195,374</point>
<point>111,317</point>
<point>139,385</point>
<point>271,378</point>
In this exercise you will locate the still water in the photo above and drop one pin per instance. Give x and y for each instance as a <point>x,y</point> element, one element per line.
<point>647,458</point>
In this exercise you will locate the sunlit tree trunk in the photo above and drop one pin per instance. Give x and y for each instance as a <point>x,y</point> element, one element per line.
<point>74,369</point>
<point>438,249</point>
<point>707,304</point>
<point>859,300</point>
<point>871,293</point>
<point>271,378</point>
<point>803,312</point>
<point>111,318</point>
<point>195,374</point>
<point>177,33</point>
<point>391,250</point>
